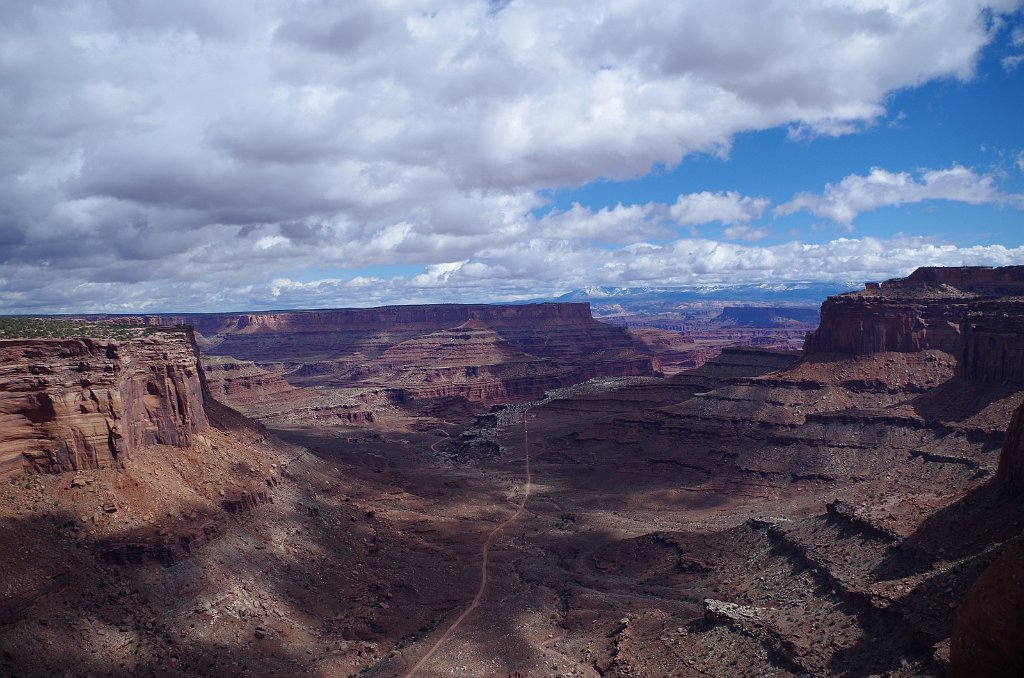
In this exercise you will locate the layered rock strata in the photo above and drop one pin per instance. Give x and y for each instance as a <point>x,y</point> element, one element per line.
<point>548,330</point>
<point>75,404</point>
<point>876,454</point>
<point>358,366</point>
<point>972,313</point>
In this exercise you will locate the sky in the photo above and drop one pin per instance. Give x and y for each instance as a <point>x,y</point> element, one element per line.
<point>253,154</point>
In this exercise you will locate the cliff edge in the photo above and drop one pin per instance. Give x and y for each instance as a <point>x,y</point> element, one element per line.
<point>973,313</point>
<point>73,404</point>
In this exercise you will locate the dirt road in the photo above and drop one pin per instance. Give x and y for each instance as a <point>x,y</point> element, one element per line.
<point>485,557</point>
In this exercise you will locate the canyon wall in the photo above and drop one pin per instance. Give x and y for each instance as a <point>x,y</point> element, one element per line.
<point>862,323</point>
<point>74,404</point>
<point>475,352</point>
<point>1011,458</point>
<point>992,342</point>
<point>553,330</point>
<point>994,281</point>
<point>975,314</point>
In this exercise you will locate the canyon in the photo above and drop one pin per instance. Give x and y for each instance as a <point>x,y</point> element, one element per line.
<point>522,491</point>
<point>381,364</point>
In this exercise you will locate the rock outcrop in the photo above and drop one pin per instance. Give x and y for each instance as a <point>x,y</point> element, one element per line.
<point>769,513</point>
<point>975,314</point>
<point>875,453</point>
<point>992,342</point>
<point>1011,458</point>
<point>887,319</point>
<point>768,316</point>
<point>988,635</point>
<point>75,404</point>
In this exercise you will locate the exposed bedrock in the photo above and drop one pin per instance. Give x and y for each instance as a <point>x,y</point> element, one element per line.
<point>561,330</point>
<point>75,404</point>
<point>993,281</point>
<point>862,323</point>
<point>988,635</point>
<point>992,342</point>
<point>1011,459</point>
<point>975,314</point>
<point>334,365</point>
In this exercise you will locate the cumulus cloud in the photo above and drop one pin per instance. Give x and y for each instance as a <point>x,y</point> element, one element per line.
<point>727,207</point>
<point>524,270</point>
<point>182,155</point>
<point>744,232</point>
<point>855,194</point>
<point>1012,62</point>
<point>615,224</point>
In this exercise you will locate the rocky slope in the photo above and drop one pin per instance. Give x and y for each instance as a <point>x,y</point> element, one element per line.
<point>146,529</point>
<point>988,634</point>
<point>1011,459</point>
<point>839,508</point>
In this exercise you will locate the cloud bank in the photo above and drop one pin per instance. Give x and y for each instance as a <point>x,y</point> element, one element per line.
<point>842,202</point>
<point>195,155</point>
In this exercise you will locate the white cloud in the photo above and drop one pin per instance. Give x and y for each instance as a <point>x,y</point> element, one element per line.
<point>268,241</point>
<point>744,232</point>
<point>615,224</point>
<point>855,194</point>
<point>184,154</point>
<point>437,275</point>
<point>726,207</point>
<point>706,261</point>
<point>528,269</point>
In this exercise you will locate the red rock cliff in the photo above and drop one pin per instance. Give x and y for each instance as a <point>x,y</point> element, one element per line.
<point>862,323</point>
<point>421,317</point>
<point>1003,280</point>
<point>71,404</point>
<point>560,331</point>
<point>975,314</point>
<point>992,343</point>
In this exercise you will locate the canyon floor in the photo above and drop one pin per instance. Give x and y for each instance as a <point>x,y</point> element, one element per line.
<point>619,563</point>
<point>839,511</point>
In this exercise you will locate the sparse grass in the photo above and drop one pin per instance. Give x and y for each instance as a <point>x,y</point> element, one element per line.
<point>22,327</point>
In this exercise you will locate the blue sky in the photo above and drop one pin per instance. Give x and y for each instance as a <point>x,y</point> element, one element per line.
<point>976,123</point>
<point>244,155</point>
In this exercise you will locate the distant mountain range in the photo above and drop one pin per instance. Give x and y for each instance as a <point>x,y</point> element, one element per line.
<point>643,300</point>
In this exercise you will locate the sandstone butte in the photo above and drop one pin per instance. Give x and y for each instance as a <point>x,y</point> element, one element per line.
<point>854,509</point>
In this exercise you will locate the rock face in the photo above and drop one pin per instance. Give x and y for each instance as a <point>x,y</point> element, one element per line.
<point>973,313</point>
<point>75,404</point>
<point>988,636</point>
<point>992,342</point>
<point>872,460</point>
<point>1011,459</point>
<point>547,330</point>
<point>999,281</point>
<point>769,513</point>
<point>768,316</point>
<point>363,365</point>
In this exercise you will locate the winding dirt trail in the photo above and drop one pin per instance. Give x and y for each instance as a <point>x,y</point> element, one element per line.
<point>485,558</point>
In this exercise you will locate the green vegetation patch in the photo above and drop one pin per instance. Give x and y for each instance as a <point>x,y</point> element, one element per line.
<point>18,327</point>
